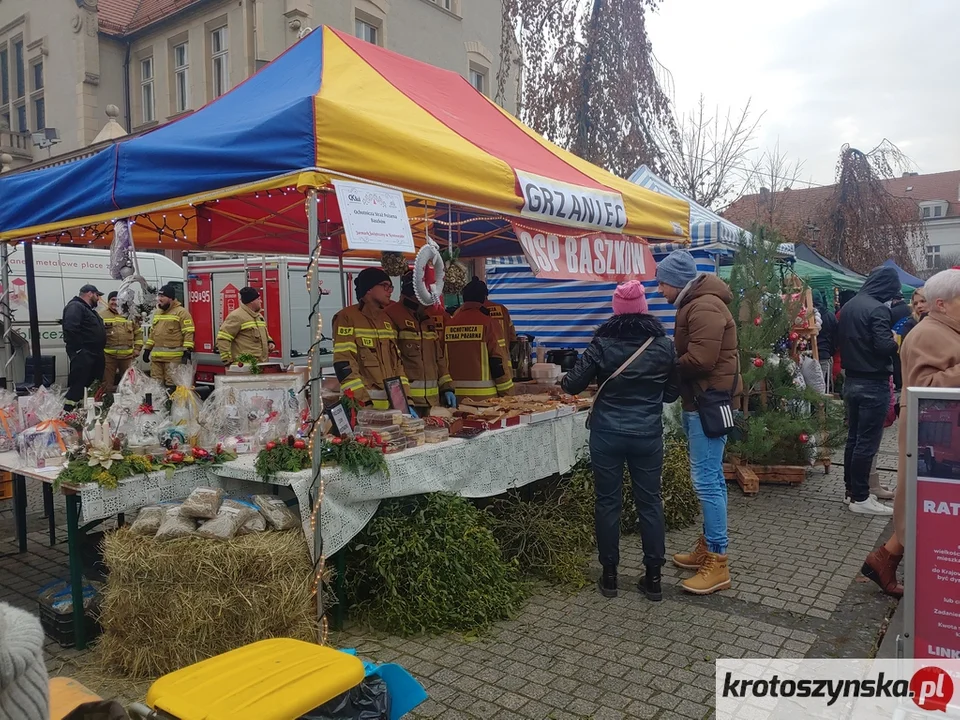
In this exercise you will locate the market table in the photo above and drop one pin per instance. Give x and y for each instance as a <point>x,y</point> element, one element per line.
<point>490,464</point>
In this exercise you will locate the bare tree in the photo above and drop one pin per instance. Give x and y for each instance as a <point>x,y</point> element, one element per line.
<point>588,78</point>
<point>944,262</point>
<point>863,224</point>
<point>769,180</point>
<point>706,157</point>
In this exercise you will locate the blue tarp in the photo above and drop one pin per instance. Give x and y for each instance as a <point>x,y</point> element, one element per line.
<point>261,129</point>
<point>905,277</point>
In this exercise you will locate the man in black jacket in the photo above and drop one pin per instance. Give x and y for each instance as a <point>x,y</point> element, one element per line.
<point>85,336</point>
<point>826,339</point>
<point>867,347</point>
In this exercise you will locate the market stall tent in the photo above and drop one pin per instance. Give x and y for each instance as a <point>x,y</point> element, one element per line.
<point>906,278</point>
<point>332,106</point>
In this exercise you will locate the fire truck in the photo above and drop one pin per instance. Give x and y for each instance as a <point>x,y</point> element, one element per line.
<point>213,291</point>
<point>938,440</point>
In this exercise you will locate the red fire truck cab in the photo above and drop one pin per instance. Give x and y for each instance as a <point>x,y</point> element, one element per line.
<point>938,441</point>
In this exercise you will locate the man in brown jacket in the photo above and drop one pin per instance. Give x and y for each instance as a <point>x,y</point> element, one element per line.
<point>929,357</point>
<point>706,339</point>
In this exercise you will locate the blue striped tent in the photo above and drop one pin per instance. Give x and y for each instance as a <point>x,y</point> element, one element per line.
<point>565,313</point>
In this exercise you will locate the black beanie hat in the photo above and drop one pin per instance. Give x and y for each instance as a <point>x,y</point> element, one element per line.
<point>368,279</point>
<point>112,295</point>
<point>475,290</point>
<point>248,295</point>
<point>168,291</point>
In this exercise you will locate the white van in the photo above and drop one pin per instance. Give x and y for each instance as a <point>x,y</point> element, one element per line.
<point>60,272</point>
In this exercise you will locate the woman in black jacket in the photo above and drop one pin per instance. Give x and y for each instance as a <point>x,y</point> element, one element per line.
<point>626,426</point>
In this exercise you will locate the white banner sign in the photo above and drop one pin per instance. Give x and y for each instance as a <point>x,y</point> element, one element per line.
<point>551,200</point>
<point>374,218</point>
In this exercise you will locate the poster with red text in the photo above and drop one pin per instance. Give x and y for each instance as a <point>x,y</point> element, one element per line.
<point>935,595</point>
<point>564,254</point>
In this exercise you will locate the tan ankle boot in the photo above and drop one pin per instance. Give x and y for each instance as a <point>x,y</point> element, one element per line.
<point>694,559</point>
<point>713,575</point>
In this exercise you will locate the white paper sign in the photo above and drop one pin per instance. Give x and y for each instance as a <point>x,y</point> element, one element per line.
<point>374,218</point>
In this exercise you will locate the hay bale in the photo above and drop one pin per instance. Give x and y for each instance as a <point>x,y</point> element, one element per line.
<point>170,604</point>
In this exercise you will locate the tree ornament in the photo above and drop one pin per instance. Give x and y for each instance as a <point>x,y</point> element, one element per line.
<point>794,336</point>
<point>457,276</point>
<point>394,264</point>
<point>804,438</point>
<point>757,320</point>
<point>758,362</point>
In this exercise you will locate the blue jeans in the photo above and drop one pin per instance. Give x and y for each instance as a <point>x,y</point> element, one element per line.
<point>867,402</point>
<point>644,458</point>
<point>706,470</point>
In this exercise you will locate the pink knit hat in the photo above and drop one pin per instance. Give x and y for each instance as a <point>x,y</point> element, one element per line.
<point>629,299</point>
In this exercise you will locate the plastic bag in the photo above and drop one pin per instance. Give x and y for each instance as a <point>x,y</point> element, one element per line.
<point>149,520</point>
<point>185,404</point>
<point>276,512</point>
<point>203,503</point>
<point>231,516</point>
<point>47,442</point>
<point>136,298</point>
<point>121,251</point>
<point>256,523</point>
<point>175,525</point>
<point>367,701</point>
<point>10,424</point>
<point>219,418</point>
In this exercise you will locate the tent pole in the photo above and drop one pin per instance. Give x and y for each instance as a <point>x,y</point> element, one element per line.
<point>34,316</point>
<point>5,354</point>
<point>316,405</point>
<point>343,284</point>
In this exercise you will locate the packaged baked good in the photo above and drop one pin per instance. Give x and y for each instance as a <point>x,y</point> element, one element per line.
<point>231,516</point>
<point>436,434</point>
<point>386,433</point>
<point>378,418</point>
<point>276,512</point>
<point>175,525</point>
<point>203,503</point>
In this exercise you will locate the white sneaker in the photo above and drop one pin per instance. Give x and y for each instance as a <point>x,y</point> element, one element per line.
<point>846,498</point>
<point>871,506</point>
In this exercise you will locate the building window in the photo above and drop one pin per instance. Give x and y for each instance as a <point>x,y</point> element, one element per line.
<point>218,55</point>
<point>181,84</point>
<point>18,61</point>
<point>147,105</point>
<point>926,212</point>
<point>39,114</point>
<point>478,78</point>
<point>4,76</point>
<point>445,4</point>
<point>22,119</point>
<point>37,76</point>
<point>368,32</point>
<point>933,256</point>
<point>938,211</point>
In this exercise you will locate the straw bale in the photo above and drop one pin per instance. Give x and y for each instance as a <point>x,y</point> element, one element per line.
<point>170,604</point>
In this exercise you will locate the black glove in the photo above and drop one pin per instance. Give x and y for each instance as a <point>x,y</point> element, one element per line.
<point>146,355</point>
<point>187,355</point>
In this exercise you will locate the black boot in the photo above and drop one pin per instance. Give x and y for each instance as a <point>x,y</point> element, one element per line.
<point>649,584</point>
<point>608,582</point>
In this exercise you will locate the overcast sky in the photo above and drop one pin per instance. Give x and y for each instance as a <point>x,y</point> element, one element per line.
<point>827,72</point>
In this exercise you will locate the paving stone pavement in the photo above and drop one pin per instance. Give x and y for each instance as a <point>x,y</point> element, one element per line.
<point>795,553</point>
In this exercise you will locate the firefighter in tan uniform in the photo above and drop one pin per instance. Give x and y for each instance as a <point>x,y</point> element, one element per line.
<point>420,336</point>
<point>244,331</point>
<point>171,336</point>
<point>124,342</point>
<point>365,351</point>
<point>476,352</point>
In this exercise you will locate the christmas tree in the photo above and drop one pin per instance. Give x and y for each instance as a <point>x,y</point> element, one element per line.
<point>784,421</point>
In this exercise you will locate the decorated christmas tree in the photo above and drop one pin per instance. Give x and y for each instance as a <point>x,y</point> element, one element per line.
<point>786,418</point>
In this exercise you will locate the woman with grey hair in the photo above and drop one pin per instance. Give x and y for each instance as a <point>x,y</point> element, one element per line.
<point>930,357</point>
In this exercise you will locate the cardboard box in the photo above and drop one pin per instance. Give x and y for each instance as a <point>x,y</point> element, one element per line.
<point>538,417</point>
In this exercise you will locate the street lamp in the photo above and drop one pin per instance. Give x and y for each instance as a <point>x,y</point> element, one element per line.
<point>46,138</point>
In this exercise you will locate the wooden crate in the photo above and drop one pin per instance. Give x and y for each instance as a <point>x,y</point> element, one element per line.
<point>749,477</point>
<point>6,485</point>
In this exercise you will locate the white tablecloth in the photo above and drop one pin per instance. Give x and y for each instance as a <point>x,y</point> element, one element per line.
<point>488,465</point>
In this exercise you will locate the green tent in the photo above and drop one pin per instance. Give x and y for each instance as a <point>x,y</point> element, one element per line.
<point>823,279</point>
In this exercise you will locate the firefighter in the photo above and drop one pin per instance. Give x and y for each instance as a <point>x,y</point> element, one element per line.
<point>476,352</point>
<point>124,342</point>
<point>171,336</point>
<point>499,313</point>
<point>420,335</point>
<point>244,331</point>
<point>365,351</point>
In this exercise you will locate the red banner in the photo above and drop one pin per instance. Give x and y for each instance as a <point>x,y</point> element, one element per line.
<point>604,257</point>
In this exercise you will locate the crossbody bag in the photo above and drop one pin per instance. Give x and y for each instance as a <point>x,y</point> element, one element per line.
<point>715,408</point>
<point>627,363</point>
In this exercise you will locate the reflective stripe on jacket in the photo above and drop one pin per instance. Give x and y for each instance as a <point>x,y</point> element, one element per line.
<point>421,352</point>
<point>476,354</point>
<point>123,335</point>
<point>171,332</point>
<point>500,313</point>
<point>243,332</point>
<point>365,354</point>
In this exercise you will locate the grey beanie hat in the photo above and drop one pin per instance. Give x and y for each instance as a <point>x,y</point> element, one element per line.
<point>24,685</point>
<point>677,269</point>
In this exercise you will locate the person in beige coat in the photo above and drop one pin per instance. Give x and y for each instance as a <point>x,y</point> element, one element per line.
<point>930,357</point>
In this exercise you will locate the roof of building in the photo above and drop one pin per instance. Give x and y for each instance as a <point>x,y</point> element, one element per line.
<point>794,208</point>
<point>122,17</point>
